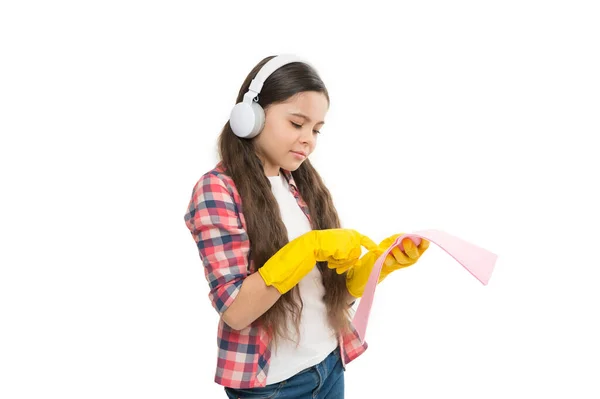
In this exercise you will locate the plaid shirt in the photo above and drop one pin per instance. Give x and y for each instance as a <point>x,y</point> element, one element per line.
<point>218,227</point>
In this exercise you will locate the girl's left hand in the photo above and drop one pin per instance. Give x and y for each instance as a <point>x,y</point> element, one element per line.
<point>359,271</point>
<point>397,259</point>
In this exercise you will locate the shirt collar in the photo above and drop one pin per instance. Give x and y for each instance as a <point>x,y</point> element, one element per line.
<point>290,179</point>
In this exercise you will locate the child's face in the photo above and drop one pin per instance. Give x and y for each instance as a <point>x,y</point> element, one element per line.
<point>279,138</point>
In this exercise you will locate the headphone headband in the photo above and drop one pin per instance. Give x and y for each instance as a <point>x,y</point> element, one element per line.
<point>271,66</point>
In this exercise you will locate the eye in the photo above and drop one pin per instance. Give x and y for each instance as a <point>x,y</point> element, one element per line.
<point>300,126</point>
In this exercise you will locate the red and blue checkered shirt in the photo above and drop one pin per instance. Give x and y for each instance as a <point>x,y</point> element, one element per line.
<point>218,227</point>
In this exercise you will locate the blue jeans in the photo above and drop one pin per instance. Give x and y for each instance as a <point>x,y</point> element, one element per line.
<point>321,381</point>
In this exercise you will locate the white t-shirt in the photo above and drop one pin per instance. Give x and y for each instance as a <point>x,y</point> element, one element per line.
<point>317,338</point>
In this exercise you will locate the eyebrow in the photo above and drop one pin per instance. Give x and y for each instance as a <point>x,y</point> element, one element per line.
<point>304,116</point>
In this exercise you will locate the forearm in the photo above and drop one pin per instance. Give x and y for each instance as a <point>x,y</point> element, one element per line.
<point>254,299</point>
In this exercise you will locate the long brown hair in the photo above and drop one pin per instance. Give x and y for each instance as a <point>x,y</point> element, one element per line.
<point>265,227</point>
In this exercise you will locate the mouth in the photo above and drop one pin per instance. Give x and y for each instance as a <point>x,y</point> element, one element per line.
<point>299,153</point>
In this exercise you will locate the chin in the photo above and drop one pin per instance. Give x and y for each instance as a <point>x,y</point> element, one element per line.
<point>292,166</point>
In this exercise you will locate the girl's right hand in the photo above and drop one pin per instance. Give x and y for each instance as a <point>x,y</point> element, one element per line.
<point>341,247</point>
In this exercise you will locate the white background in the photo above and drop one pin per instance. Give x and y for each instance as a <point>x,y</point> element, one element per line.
<point>477,118</point>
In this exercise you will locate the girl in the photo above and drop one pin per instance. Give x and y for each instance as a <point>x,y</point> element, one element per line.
<point>282,272</point>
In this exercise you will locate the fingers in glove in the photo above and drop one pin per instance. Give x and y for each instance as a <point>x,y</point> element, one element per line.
<point>400,257</point>
<point>334,264</point>
<point>343,255</point>
<point>389,260</point>
<point>410,248</point>
<point>342,266</point>
<point>342,262</point>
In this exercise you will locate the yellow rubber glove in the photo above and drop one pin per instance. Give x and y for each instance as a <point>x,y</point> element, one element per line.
<point>396,259</point>
<point>297,258</point>
<point>358,274</point>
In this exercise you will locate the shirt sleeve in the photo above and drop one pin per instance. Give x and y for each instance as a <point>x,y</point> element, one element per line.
<point>223,245</point>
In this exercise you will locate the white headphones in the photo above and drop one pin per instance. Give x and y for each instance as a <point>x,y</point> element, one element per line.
<point>247,118</point>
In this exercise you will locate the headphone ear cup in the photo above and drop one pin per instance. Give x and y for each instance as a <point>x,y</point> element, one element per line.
<point>247,120</point>
<point>259,119</point>
<point>241,119</point>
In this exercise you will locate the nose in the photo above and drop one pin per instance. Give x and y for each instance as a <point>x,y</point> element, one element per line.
<point>308,137</point>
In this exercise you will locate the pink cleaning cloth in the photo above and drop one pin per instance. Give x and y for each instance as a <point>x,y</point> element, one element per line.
<point>478,261</point>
